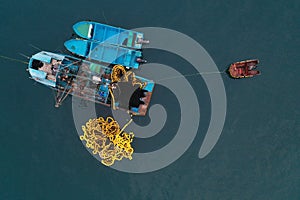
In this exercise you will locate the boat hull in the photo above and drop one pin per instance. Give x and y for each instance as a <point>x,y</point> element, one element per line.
<point>244,69</point>
<point>103,52</point>
<point>91,81</point>
<point>108,34</point>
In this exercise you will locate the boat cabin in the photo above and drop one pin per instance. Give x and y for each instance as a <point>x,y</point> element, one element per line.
<point>43,67</point>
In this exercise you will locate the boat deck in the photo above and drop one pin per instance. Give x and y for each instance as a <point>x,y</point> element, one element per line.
<point>244,69</point>
<point>92,81</point>
<point>104,53</point>
<point>108,34</point>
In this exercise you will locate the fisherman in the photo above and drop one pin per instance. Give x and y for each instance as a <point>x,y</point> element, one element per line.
<point>51,77</point>
<point>251,67</point>
<point>55,62</point>
<point>140,60</point>
<point>141,41</point>
<point>113,86</point>
<point>54,69</point>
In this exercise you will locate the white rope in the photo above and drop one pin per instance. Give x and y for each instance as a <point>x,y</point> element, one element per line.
<point>187,75</point>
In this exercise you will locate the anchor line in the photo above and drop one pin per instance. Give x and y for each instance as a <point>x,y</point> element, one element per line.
<point>104,17</point>
<point>189,75</point>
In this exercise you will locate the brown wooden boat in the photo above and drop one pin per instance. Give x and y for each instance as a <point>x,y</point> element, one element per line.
<point>244,69</point>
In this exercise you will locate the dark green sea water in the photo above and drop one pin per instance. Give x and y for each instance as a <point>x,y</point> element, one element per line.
<point>258,154</point>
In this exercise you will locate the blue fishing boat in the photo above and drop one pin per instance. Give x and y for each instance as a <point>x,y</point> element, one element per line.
<point>109,34</point>
<point>91,81</point>
<point>105,53</point>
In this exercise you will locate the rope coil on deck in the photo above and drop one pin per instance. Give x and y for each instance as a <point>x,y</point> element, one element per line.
<point>119,74</point>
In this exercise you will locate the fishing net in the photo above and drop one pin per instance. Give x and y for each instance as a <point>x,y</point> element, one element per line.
<point>105,138</point>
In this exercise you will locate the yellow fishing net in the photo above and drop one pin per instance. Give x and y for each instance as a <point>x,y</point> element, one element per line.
<point>106,139</point>
<point>119,74</point>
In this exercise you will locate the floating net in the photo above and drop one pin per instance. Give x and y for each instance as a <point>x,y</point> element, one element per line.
<point>105,138</point>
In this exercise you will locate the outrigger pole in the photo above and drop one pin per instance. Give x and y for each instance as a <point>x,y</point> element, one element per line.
<point>13,59</point>
<point>70,64</point>
<point>61,96</point>
<point>35,47</point>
